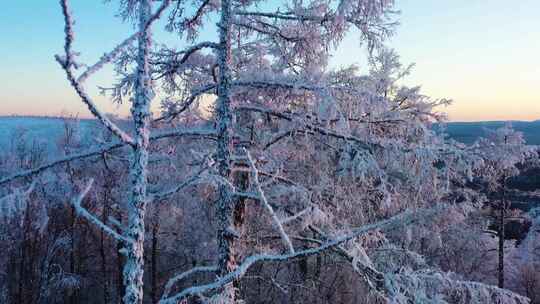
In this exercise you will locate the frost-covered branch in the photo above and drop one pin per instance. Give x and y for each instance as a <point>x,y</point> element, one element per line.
<point>156,196</point>
<point>429,286</point>
<point>264,84</point>
<point>309,128</point>
<point>297,215</point>
<point>372,276</point>
<point>153,18</point>
<point>291,16</point>
<point>174,61</point>
<point>15,201</point>
<point>179,277</point>
<point>276,15</point>
<point>188,102</point>
<point>403,219</point>
<point>109,57</point>
<point>68,63</point>
<point>273,31</point>
<point>180,132</point>
<point>203,133</point>
<point>197,47</point>
<point>92,152</point>
<point>370,17</point>
<point>188,24</point>
<point>77,203</point>
<point>106,58</point>
<point>269,208</point>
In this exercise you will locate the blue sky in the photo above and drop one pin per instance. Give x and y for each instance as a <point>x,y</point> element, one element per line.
<point>484,54</point>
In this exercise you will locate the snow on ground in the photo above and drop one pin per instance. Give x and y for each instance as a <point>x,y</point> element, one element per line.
<point>44,131</point>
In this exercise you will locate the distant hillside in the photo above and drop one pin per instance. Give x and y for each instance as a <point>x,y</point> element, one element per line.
<point>46,130</point>
<point>468,132</point>
<point>43,130</point>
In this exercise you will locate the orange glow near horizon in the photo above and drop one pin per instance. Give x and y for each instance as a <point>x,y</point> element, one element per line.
<point>462,109</point>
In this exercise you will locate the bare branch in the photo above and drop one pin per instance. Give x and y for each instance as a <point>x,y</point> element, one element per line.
<point>263,84</point>
<point>309,128</point>
<point>179,277</point>
<point>92,152</point>
<point>156,196</point>
<point>68,64</point>
<point>106,58</point>
<point>204,133</point>
<point>263,199</point>
<point>189,101</point>
<point>197,47</point>
<point>91,218</point>
<point>157,14</point>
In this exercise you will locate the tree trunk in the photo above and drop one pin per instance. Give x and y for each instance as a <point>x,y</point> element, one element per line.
<point>225,233</point>
<point>242,140</point>
<point>140,111</point>
<point>153,262</point>
<point>241,181</point>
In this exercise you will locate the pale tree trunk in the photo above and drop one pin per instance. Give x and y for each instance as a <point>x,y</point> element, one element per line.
<point>140,111</point>
<point>226,234</point>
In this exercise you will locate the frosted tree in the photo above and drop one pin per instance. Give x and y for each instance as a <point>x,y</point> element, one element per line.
<point>132,236</point>
<point>272,87</point>
<point>307,161</point>
<point>501,152</point>
<point>290,44</point>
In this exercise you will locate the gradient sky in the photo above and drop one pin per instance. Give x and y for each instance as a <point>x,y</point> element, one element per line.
<point>484,54</point>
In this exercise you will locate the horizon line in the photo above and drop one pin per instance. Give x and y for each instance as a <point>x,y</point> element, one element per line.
<point>70,116</point>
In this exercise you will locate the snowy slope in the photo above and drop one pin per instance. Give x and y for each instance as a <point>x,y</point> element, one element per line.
<point>42,130</point>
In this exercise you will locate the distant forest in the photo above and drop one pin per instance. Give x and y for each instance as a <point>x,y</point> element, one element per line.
<point>465,132</point>
<point>468,132</point>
